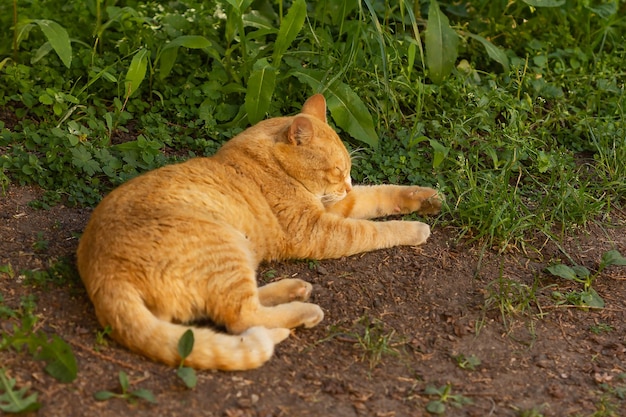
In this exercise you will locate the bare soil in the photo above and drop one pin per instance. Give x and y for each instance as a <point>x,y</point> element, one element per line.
<point>431,310</point>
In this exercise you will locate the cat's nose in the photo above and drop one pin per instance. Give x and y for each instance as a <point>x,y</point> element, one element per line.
<point>348,185</point>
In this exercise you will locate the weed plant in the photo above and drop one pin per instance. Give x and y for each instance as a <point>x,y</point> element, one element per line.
<point>126,394</point>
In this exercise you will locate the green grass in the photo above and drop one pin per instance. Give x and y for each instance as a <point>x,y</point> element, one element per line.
<point>371,338</point>
<point>524,134</point>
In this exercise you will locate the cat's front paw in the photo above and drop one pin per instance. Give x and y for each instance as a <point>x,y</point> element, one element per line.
<point>420,199</point>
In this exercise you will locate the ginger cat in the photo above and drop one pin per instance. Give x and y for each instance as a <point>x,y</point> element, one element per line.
<point>182,243</point>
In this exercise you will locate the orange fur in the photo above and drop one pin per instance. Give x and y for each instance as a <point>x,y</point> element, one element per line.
<point>182,243</point>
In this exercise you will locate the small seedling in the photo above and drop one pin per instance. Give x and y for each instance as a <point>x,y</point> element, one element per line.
<point>467,362</point>
<point>313,264</point>
<point>101,337</point>
<point>512,299</point>
<point>588,297</point>
<point>372,338</point>
<point>5,311</point>
<point>601,328</point>
<point>7,270</point>
<point>533,412</point>
<point>444,396</point>
<point>58,355</point>
<point>15,400</point>
<point>185,346</point>
<point>270,273</point>
<point>375,341</point>
<point>130,396</point>
<point>41,244</point>
<point>61,272</point>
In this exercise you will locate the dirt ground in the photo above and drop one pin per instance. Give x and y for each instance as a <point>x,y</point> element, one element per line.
<point>433,313</point>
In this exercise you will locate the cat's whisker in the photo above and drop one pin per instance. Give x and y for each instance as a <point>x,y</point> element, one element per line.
<point>356,153</point>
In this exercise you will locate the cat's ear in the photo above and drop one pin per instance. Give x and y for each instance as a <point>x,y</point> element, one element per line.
<point>316,107</point>
<point>300,131</point>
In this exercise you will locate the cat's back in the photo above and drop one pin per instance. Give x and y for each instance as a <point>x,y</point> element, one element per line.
<point>236,176</point>
<point>161,211</point>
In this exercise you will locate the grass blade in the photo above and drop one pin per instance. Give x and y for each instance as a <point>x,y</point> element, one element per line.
<point>289,29</point>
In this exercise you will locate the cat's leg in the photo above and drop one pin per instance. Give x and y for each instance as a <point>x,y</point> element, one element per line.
<point>233,298</point>
<point>331,236</point>
<point>242,306</point>
<point>284,291</point>
<point>288,315</point>
<point>367,202</point>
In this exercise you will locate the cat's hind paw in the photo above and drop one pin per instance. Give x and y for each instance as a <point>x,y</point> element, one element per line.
<point>279,334</point>
<point>285,291</point>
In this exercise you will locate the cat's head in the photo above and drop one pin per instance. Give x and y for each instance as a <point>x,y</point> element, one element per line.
<point>311,152</point>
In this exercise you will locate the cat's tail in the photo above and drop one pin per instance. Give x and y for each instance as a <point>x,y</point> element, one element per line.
<point>134,326</point>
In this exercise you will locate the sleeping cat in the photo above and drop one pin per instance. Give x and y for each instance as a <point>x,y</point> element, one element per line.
<point>181,243</point>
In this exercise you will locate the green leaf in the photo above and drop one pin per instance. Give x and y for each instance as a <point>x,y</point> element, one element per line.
<point>60,358</point>
<point>289,29</point>
<point>433,390</point>
<point>493,51</point>
<point>8,270</point>
<point>436,407</point>
<point>46,99</point>
<point>188,375</point>
<point>124,382</point>
<point>240,5</point>
<point>82,158</point>
<point>612,257</point>
<point>144,394</point>
<point>170,51</point>
<point>41,52</point>
<point>591,299</point>
<point>261,86</point>
<point>562,271</point>
<point>346,107</point>
<point>185,344</point>
<point>58,38</point>
<point>440,152</point>
<point>581,272</point>
<point>441,44</point>
<point>104,395</point>
<point>15,401</point>
<point>605,10</point>
<point>136,71</point>
<point>545,3</point>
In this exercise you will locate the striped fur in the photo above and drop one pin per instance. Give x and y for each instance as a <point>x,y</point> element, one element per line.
<point>182,243</point>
